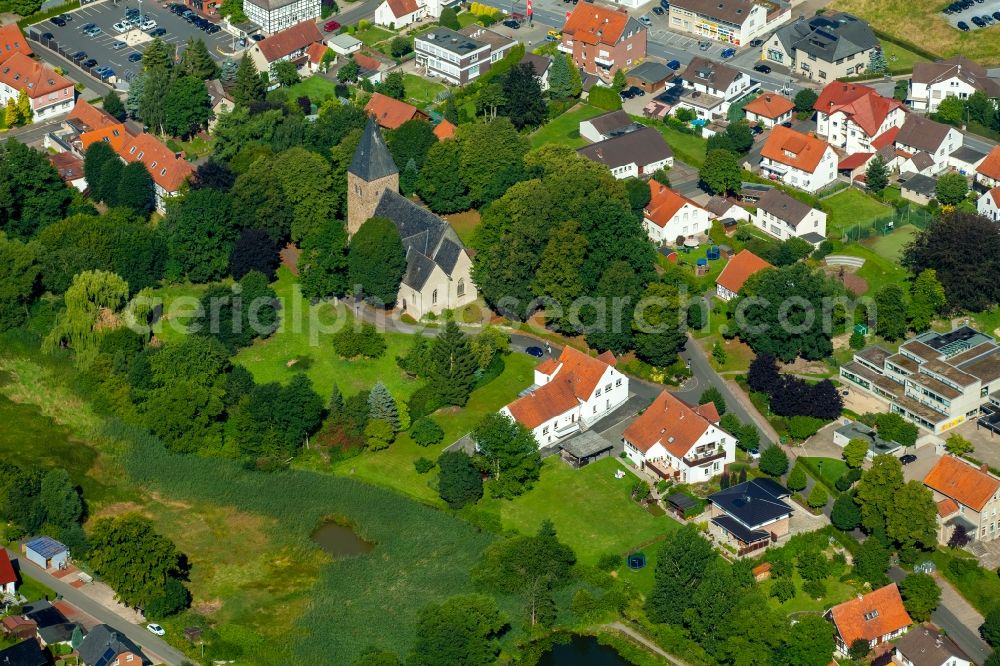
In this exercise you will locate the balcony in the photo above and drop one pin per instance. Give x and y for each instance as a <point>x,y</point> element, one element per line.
<point>697,458</point>
<point>565,47</point>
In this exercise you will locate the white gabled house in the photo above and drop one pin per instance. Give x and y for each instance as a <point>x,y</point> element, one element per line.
<point>784,217</point>
<point>925,146</point>
<point>851,116</point>
<point>570,394</point>
<point>799,160</point>
<point>678,442</point>
<point>988,205</point>
<point>670,215</point>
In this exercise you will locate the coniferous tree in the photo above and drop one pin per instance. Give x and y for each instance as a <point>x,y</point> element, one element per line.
<point>248,88</point>
<point>24,112</point>
<point>113,105</point>
<point>561,84</point>
<point>99,154</point>
<point>158,54</point>
<point>135,188</point>
<point>336,405</point>
<point>382,406</point>
<point>459,482</point>
<point>877,175</point>
<point>522,94</point>
<point>453,366</point>
<point>198,62</point>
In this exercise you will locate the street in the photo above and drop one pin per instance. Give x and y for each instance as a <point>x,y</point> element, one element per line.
<point>147,641</point>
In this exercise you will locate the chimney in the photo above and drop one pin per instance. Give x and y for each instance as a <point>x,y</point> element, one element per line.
<point>767,98</point>
<point>984,468</point>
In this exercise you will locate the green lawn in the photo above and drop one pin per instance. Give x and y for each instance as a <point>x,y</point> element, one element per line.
<point>899,59</point>
<point>590,508</point>
<point>467,18</point>
<point>837,591</point>
<point>179,302</point>
<point>305,338</point>
<point>877,271</point>
<point>194,148</point>
<point>317,88</point>
<point>419,91</point>
<point>566,128</point>
<point>373,35</point>
<point>849,208</point>
<point>687,147</point>
<point>891,246</point>
<point>826,470</point>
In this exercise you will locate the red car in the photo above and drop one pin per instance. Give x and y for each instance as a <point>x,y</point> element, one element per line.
<point>330,26</point>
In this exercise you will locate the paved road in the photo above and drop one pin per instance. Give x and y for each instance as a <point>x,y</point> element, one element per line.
<point>947,617</point>
<point>150,643</point>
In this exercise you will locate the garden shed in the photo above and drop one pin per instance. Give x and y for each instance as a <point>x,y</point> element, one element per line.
<point>47,553</point>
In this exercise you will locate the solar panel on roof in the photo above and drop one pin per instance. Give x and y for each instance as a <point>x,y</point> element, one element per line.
<point>45,546</point>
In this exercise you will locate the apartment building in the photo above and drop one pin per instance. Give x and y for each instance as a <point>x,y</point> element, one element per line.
<point>49,93</point>
<point>276,15</point>
<point>734,22</point>
<point>710,87</point>
<point>452,56</point>
<point>799,160</point>
<point>602,40</point>
<point>936,380</point>
<point>670,215</point>
<point>933,82</point>
<point>850,116</point>
<point>824,48</point>
<point>783,217</point>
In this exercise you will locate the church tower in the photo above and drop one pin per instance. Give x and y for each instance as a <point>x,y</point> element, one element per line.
<point>371,173</point>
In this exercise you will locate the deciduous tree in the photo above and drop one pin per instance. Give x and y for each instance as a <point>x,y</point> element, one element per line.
<point>845,515</point>
<point>721,172</point>
<point>510,453</point>
<point>462,630</point>
<point>952,189</point>
<point>459,482</point>
<point>187,107</point>
<point>200,234</point>
<point>927,300</point>
<point>855,452</point>
<point>921,595</point>
<point>683,562</point>
<point>32,194</point>
<point>376,261</point>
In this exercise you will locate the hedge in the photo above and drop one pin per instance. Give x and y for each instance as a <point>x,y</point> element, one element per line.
<point>38,17</point>
<point>604,98</point>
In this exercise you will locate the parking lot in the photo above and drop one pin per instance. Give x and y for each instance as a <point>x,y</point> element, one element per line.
<point>101,48</point>
<point>985,8</point>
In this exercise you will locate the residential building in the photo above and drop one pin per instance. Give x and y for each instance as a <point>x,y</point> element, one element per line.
<point>274,16</point>
<point>390,113</point>
<point>52,627</point>
<point>921,142</point>
<point>371,69</point>
<point>784,217</point>
<point>799,160</point>
<point>602,40</point>
<point>315,53</point>
<point>103,646</point>
<point>988,204</point>
<point>650,76</point>
<point>825,47</point>
<point>438,267</point>
<point>570,394</point>
<point>936,380</point>
<point>720,83</point>
<point>722,208</point>
<point>12,41</point>
<point>221,101</point>
<point>398,14</point>
<point>988,171</point>
<point>50,94</point>
<point>734,22</point>
<point>85,117</point>
<point>678,442</point>
<point>70,168</point>
<point>877,446</point>
<point>926,646</point>
<point>26,653</point>
<point>670,216</point>
<point>499,44</point>
<point>957,76</point>
<point>607,125</point>
<point>452,56</point>
<point>916,187</point>
<point>736,272</point>
<point>633,154</point>
<point>750,515</point>
<point>8,577</point>
<point>875,618</point>
<point>967,496</point>
<point>966,160</point>
<point>289,44</point>
<point>344,44</point>
<point>541,63</point>
<point>850,116</point>
<point>769,109</point>
<point>444,130</point>
<point>168,170</point>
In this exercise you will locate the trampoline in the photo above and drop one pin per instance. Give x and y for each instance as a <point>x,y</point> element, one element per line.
<point>636,561</point>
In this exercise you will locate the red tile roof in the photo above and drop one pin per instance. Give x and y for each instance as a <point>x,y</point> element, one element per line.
<point>886,138</point>
<point>12,41</point>
<point>316,51</point>
<point>664,204</point>
<point>573,379</point>
<point>22,73</point>
<point>962,482</point>
<point>669,422</point>
<point>168,171</point>
<point>946,507</point>
<point>69,166</point>
<point>995,193</point>
<point>401,8</point>
<point>388,112</point>
<point>990,167</point>
<point>854,161</point>
<point>770,105</point>
<point>288,41</point>
<point>117,135</point>
<point>89,117</point>
<point>593,24</point>
<point>708,411</point>
<point>7,574</point>
<point>444,130</point>
<point>739,268</point>
<point>795,149</point>
<point>863,105</point>
<point>367,63</point>
<point>871,616</point>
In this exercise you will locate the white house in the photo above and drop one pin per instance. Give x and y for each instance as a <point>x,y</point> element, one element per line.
<point>734,22</point>
<point>669,215</point>
<point>850,116</point>
<point>678,442</point>
<point>633,154</point>
<point>276,15</point>
<point>784,217</point>
<point>926,646</point>
<point>988,171</point>
<point>720,83</point>
<point>933,82</point>
<point>570,394</point>
<point>988,205</point>
<point>541,63</point>
<point>935,141</point>
<point>799,160</point>
<point>607,125</point>
<point>769,109</point>
<point>48,93</point>
<point>344,44</point>
<point>735,274</point>
<point>399,13</point>
<point>290,44</point>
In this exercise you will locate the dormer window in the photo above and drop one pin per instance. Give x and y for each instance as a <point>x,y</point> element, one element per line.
<point>163,172</point>
<point>871,615</point>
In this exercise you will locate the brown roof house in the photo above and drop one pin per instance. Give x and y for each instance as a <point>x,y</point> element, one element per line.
<point>221,101</point>
<point>735,274</point>
<point>710,87</point>
<point>873,618</point>
<point>50,94</point>
<point>924,146</point>
<point>926,646</point>
<point>390,113</point>
<point>968,498</point>
<point>633,154</point>
<point>670,215</point>
<point>397,14</point>
<point>607,125</point>
<point>988,171</point>
<point>933,82</point>
<point>602,40</point>
<point>570,393</point>
<point>290,44</point>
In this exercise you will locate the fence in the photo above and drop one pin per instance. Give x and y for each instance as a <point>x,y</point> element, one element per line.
<point>905,214</point>
<point>34,35</point>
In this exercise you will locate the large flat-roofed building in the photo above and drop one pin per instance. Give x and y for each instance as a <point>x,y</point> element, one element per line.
<point>823,48</point>
<point>276,15</point>
<point>732,21</point>
<point>452,56</point>
<point>936,380</point>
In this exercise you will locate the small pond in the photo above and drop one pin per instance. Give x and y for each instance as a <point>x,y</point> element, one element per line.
<point>339,540</point>
<point>582,651</point>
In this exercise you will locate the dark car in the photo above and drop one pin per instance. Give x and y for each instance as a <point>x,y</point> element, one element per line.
<point>65,17</point>
<point>962,25</point>
<point>534,351</point>
<point>665,4</point>
<point>627,94</point>
<point>658,11</point>
<point>47,36</point>
<point>756,130</point>
<point>512,24</point>
<point>978,21</point>
<point>257,37</point>
<point>159,32</point>
<point>134,57</point>
<point>996,15</point>
<point>787,123</point>
<point>674,65</point>
<point>87,26</point>
<point>59,22</point>
<point>728,53</point>
<point>212,29</point>
<point>87,64</point>
<point>949,10</point>
<point>756,42</point>
<point>907,459</point>
<point>762,68</point>
<point>78,56</point>
<point>637,91</point>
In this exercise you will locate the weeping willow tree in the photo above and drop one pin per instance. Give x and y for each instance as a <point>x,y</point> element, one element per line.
<point>93,304</point>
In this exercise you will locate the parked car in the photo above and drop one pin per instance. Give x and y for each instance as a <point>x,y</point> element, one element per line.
<point>996,16</point>
<point>330,26</point>
<point>637,91</point>
<point>627,94</point>
<point>512,24</point>
<point>534,351</point>
<point>762,68</point>
<point>756,42</point>
<point>159,32</point>
<point>665,4</point>
<point>89,64</point>
<point>212,29</point>
<point>674,65</point>
<point>728,53</point>
<point>94,32</point>
<point>658,11</point>
<point>756,130</point>
<point>58,21</point>
<point>147,26</point>
<point>65,17</point>
<point>257,37</point>
<point>645,20</point>
<point>962,25</point>
<point>78,56</point>
<point>154,628</point>
<point>87,26</point>
<point>907,459</point>
<point>704,46</point>
<point>134,57</point>
<point>949,10</point>
<point>47,36</point>
<point>978,21</point>
<point>118,45</point>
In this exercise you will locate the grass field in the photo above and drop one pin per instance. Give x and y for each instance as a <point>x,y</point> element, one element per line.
<point>922,23</point>
<point>852,207</point>
<point>566,128</point>
<point>419,91</point>
<point>687,147</point>
<point>464,224</point>
<point>899,58</point>
<point>467,18</point>
<point>373,35</point>
<point>317,88</point>
<point>836,592</point>
<point>891,246</point>
<point>826,470</point>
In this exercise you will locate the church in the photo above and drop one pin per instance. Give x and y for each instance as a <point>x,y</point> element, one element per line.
<point>438,267</point>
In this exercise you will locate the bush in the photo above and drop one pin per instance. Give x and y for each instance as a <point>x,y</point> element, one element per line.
<point>426,432</point>
<point>379,434</point>
<point>363,342</point>
<point>424,401</point>
<point>423,465</point>
<point>604,98</point>
<point>814,588</point>
<point>609,562</point>
<point>804,427</point>
<point>849,478</point>
<point>783,590</point>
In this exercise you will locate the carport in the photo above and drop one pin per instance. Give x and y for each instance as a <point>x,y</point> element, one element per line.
<point>585,448</point>
<point>990,421</point>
